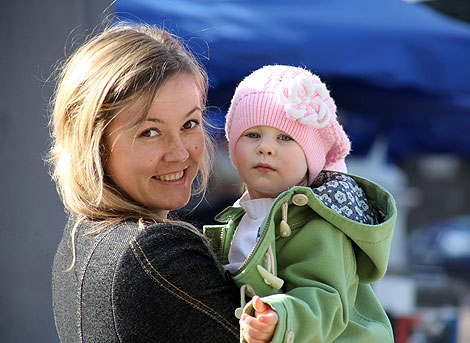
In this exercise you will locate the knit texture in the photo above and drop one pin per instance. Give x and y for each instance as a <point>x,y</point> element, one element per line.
<point>262,98</point>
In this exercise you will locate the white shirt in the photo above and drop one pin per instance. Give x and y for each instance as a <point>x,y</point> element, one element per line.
<point>245,236</point>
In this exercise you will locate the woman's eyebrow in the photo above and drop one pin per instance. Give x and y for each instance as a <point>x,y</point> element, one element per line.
<point>158,120</point>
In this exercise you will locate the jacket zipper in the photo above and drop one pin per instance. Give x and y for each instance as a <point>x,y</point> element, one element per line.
<point>221,242</point>
<point>263,233</point>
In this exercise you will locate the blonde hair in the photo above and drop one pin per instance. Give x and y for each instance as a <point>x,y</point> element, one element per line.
<point>109,72</point>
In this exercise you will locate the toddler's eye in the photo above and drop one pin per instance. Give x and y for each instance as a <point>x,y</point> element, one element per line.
<point>190,124</point>
<point>252,135</point>
<point>149,133</point>
<point>285,138</point>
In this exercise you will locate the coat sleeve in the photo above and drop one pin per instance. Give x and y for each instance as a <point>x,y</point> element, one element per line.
<point>168,287</point>
<point>318,267</point>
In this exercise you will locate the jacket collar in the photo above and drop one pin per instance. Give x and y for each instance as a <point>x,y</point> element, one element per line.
<point>230,213</point>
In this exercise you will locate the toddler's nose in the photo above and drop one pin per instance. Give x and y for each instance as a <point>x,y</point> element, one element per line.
<point>266,149</point>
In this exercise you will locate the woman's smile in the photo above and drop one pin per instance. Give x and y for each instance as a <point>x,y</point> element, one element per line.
<point>172,177</point>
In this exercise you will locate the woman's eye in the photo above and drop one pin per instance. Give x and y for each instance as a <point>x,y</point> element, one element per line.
<point>190,124</point>
<point>285,138</point>
<point>150,133</point>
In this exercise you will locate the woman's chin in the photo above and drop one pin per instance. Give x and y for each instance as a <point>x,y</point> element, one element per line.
<point>171,203</point>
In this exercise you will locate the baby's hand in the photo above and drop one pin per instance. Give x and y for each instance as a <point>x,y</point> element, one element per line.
<point>259,329</point>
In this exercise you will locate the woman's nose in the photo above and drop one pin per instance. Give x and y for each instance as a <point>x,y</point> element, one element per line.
<point>176,150</point>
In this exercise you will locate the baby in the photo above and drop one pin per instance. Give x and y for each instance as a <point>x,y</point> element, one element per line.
<point>304,240</point>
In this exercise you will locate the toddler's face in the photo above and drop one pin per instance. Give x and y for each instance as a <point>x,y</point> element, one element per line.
<point>269,161</point>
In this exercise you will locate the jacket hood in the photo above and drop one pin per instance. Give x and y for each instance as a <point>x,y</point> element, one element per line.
<point>363,211</point>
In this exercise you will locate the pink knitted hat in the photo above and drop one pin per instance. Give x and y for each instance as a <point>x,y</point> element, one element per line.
<point>295,101</point>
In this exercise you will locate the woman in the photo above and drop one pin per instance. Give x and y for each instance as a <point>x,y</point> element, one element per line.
<point>128,142</point>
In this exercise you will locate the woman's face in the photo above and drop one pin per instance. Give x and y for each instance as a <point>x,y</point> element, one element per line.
<point>156,162</point>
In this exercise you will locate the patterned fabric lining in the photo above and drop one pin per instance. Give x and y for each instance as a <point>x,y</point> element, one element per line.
<point>344,196</point>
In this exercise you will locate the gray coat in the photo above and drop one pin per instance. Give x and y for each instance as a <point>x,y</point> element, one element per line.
<point>161,284</point>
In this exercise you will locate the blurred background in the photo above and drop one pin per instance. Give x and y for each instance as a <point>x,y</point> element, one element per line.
<point>398,71</point>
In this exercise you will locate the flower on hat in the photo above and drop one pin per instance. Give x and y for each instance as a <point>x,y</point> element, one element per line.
<point>304,100</point>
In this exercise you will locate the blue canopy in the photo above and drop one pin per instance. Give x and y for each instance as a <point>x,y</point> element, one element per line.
<point>395,69</point>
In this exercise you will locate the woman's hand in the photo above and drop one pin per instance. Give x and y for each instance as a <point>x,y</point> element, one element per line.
<point>261,327</point>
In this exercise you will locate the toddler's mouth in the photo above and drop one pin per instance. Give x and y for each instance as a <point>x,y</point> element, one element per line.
<point>264,167</point>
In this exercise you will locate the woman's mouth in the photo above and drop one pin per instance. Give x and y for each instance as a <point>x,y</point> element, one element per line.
<point>171,177</point>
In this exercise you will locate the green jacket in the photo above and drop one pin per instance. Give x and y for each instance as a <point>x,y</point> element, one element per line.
<point>316,271</point>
